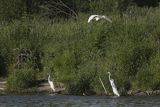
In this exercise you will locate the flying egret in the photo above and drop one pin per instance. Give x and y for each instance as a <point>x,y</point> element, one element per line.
<point>115,91</point>
<point>51,84</point>
<point>98,17</point>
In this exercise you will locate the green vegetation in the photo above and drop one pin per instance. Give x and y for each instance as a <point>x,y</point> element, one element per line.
<point>77,53</point>
<point>21,79</point>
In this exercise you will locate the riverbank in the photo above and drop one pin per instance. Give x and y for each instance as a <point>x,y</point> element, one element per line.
<point>77,53</point>
<point>44,88</point>
<point>3,86</point>
<point>46,92</point>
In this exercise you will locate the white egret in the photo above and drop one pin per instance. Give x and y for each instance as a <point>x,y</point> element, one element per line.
<point>98,17</point>
<point>51,84</point>
<point>115,91</point>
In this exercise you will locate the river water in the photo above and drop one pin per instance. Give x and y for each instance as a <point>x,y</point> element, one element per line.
<point>78,101</point>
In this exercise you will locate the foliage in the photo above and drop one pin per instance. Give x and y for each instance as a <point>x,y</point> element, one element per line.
<point>11,9</point>
<point>77,53</point>
<point>21,79</point>
<point>55,9</point>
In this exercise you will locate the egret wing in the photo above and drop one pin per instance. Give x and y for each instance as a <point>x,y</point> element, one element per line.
<point>91,18</point>
<point>108,19</point>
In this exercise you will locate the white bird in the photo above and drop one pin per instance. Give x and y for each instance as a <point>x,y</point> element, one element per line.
<point>51,84</point>
<point>115,91</point>
<point>98,17</point>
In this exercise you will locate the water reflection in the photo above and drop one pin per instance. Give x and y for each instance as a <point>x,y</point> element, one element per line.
<point>77,101</point>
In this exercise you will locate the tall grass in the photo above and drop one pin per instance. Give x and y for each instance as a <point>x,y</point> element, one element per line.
<point>78,53</point>
<point>19,80</point>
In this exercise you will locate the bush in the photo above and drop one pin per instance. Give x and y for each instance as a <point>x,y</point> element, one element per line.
<point>12,9</point>
<point>148,3</point>
<point>83,84</point>
<point>21,79</point>
<point>16,9</point>
<point>3,66</point>
<point>148,77</point>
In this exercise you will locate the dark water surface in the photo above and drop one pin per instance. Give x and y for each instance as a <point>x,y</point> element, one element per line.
<point>78,101</point>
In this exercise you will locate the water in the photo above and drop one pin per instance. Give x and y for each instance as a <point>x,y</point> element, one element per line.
<point>78,101</point>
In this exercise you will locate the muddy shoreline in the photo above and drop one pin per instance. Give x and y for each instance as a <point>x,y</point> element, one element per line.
<point>43,88</point>
<point>46,91</point>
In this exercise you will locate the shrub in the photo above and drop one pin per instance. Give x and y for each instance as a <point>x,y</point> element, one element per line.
<point>21,79</point>
<point>12,9</point>
<point>148,77</point>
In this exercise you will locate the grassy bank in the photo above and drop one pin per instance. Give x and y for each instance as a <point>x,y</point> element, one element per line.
<point>77,53</point>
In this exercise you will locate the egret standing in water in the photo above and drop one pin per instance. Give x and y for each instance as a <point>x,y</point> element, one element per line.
<point>115,91</point>
<point>98,17</point>
<point>51,84</point>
